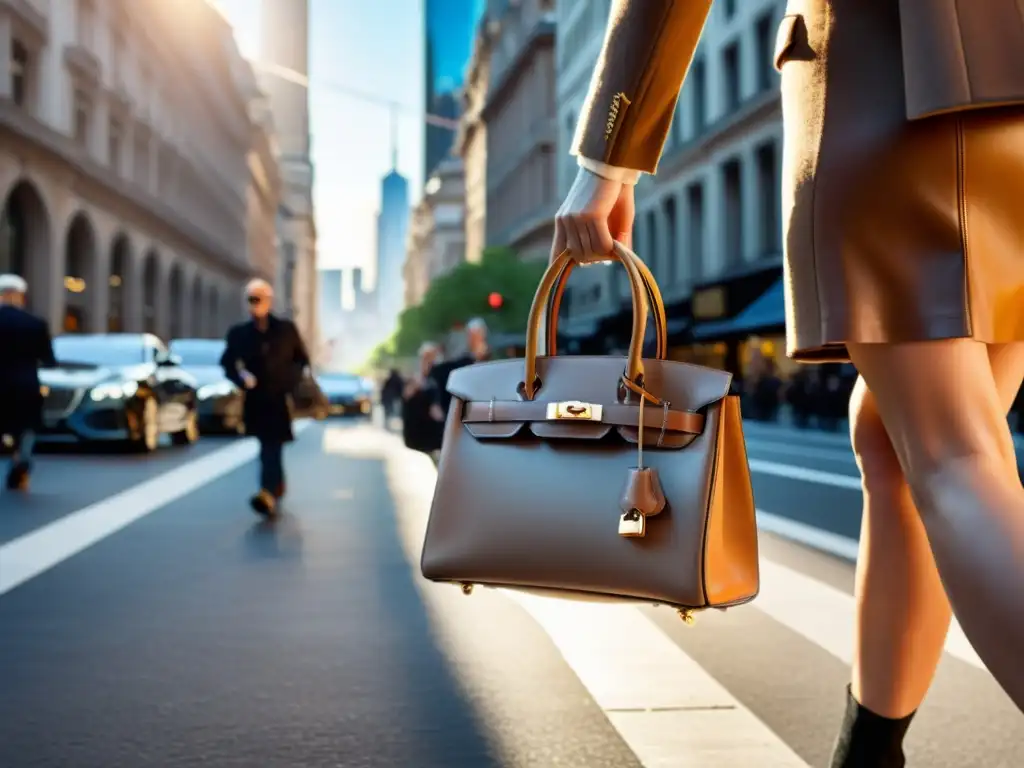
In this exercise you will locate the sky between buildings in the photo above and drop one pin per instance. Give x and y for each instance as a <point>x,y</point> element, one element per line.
<point>374,47</point>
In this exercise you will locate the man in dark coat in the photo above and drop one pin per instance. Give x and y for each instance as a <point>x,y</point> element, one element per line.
<point>25,345</point>
<point>477,351</point>
<point>267,358</point>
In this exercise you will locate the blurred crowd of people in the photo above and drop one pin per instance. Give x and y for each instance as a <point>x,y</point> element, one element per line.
<point>422,399</point>
<point>818,396</point>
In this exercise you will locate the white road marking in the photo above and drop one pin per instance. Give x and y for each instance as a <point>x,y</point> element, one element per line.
<point>809,535</point>
<point>667,708</point>
<point>791,472</point>
<point>824,615</point>
<point>34,553</point>
<point>803,450</point>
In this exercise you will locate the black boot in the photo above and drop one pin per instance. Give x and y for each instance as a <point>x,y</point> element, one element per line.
<point>867,740</point>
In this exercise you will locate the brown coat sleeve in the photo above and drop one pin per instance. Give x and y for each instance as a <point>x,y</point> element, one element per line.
<point>647,50</point>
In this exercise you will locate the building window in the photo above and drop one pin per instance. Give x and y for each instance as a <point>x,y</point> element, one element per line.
<point>765,37</point>
<point>731,75</point>
<point>699,79</point>
<point>115,139</point>
<point>672,232</point>
<point>769,215</point>
<point>86,23</point>
<point>19,73</point>
<point>652,241</point>
<point>732,187</point>
<point>695,229</point>
<point>120,50</point>
<point>83,115</point>
<point>729,9</point>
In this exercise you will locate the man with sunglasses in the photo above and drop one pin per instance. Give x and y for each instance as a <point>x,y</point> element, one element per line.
<point>267,358</point>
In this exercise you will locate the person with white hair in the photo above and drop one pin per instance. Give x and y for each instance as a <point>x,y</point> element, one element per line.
<point>477,351</point>
<point>266,357</point>
<point>420,430</point>
<point>25,346</point>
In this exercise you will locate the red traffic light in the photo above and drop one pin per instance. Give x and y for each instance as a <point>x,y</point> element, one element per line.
<point>495,300</point>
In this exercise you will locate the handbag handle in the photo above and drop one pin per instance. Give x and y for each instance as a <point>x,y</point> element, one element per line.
<point>633,376</point>
<point>657,305</point>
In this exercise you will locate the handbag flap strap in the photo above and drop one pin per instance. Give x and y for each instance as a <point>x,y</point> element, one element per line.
<point>618,414</point>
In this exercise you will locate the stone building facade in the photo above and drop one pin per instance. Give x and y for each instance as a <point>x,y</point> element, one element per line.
<point>124,145</point>
<point>284,51</point>
<point>519,114</point>
<point>471,139</point>
<point>437,231</point>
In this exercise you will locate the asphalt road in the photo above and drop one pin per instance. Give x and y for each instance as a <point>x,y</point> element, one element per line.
<point>191,634</point>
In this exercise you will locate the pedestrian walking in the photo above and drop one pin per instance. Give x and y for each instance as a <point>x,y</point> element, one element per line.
<point>905,255</point>
<point>477,351</point>
<point>267,358</point>
<point>25,346</point>
<point>391,394</point>
<point>421,429</point>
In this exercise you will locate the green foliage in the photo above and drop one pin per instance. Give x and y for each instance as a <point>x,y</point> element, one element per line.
<point>462,294</point>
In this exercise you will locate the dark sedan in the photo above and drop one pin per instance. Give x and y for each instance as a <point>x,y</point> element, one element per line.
<point>220,401</point>
<point>117,388</point>
<point>347,394</point>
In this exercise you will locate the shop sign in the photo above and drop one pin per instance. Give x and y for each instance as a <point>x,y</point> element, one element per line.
<point>709,303</point>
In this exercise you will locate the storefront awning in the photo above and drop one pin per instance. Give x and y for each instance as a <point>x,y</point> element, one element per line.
<point>767,311</point>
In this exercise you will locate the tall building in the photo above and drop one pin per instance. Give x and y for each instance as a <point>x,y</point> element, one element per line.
<point>449,29</point>
<point>392,230</point>
<point>520,116</point>
<point>364,298</point>
<point>284,52</point>
<point>122,212</point>
<point>330,310</point>
<point>471,139</point>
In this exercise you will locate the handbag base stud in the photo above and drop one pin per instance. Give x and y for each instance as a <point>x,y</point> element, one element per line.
<point>633,524</point>
<point>687,616</point>
<point>467,589</point>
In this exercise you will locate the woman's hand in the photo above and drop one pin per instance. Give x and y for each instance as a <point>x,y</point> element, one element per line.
<point>595,214</point>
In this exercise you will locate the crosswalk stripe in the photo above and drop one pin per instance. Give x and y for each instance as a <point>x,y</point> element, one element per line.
<point>824,615</point>
<point>793,472</point>
<point>668,710</point>
<point>35,553</point>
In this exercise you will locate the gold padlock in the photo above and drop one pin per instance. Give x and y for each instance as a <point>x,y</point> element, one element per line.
<point>632,524</point>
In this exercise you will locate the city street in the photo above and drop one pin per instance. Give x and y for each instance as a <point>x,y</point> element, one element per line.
<point>148,620</point>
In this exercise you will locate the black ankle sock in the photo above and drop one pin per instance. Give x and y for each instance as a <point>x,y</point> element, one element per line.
<point>867,740</point>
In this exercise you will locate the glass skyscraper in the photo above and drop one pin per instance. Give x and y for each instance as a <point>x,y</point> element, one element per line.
<point>450,26</point>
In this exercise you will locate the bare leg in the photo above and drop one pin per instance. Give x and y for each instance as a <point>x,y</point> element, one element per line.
<point>903,614</point>
<point>945,416</point>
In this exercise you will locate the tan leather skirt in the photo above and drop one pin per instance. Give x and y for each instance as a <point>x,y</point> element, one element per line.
<point>895,231</point>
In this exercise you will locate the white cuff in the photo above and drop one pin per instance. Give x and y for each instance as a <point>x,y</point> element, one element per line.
<point>610,172</point>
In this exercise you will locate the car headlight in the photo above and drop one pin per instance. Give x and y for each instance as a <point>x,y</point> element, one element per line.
<point>117,391</point>
<point>219,389</point>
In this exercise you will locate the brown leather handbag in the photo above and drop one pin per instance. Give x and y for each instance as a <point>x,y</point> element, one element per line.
<point>597,477</point>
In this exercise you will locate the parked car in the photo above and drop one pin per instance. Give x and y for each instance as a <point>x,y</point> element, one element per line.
<point>117,388</point>
<point>220,401</point>
<point>347,394</point>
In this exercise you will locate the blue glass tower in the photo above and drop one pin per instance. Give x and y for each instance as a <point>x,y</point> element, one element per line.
<point>449,29</point>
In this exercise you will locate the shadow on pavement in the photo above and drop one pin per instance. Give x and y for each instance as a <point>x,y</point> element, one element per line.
<point>278,538</point>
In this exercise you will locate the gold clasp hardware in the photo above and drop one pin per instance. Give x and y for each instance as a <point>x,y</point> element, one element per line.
<point>574,410</point>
